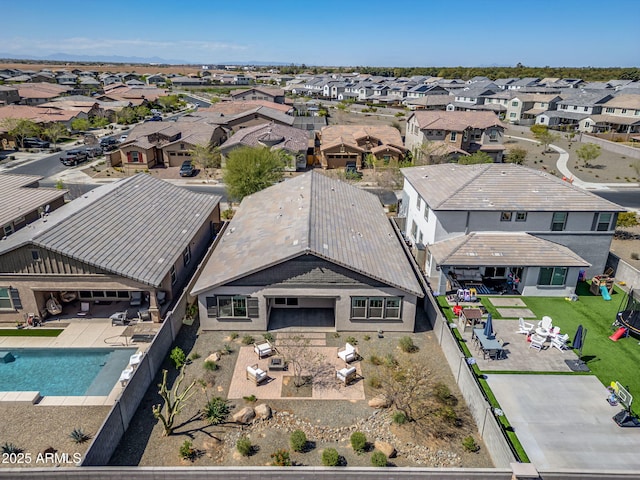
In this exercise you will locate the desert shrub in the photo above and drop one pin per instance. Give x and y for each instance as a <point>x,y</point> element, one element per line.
<point>187,452</point>
<point>390,361</point>
<point>358,442</point>
<point>407,345</point>
<point>194,356</point>
<point>244,447</point>
<point>351,340</point>
<point>79,436</point>
<point>330,457</point>
<point>250,398</point>
<point>378,459</point>
<point>627,219</point>
<point>9,448</point>
<point>210,365</point>
<point>470,445</point>
<point>268,337</point>
<point>216,411</point>
<point>298,441</point>
<point>374,382</point>
<point>247,340</point>
<point>399,417</point>
<point>281,458</point>
<point>375,360</point>
<point>448,415</point>
<point>226,349</point>
<point>367,338</point>
<point>233,335</point>
<point>178,357</point>
<point>444,395</point>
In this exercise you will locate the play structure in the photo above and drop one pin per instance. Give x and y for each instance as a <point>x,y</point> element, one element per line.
<point>624,418</point>
<point>629,315</point>
<point>601,284</point>
<point>467,295</point>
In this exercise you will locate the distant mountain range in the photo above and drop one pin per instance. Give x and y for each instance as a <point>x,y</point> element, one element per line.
<point>67,57</point>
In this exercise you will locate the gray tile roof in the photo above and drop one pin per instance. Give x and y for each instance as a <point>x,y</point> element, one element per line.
<point>18,196</point>
<point>136,227</point>
<point>500,186</point>
<point>310,214</point>
<point>504,249</point>
<point>290,139</point>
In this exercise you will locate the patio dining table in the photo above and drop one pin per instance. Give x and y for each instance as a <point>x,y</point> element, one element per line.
<point>490,346</point>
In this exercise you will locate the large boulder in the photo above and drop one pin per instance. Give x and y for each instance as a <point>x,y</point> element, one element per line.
<point>385,448</point>
<point>214,357</point>
<point>245,415</point>
<point>263,411</point>
<point>379,402</point>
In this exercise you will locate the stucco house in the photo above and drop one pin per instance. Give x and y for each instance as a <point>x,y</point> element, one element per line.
<point>275,95</point>
<point>139,234</point>
<point>339,144</point>
<point>483,224</point>
<point>309,252</point>
<point>455,132</point>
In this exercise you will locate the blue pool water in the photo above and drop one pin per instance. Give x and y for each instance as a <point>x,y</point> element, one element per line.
<point>64,371</point>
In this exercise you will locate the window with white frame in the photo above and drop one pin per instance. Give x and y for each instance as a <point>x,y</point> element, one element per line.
<point>453,136</point>
<point>426,212</point>
<point>552,276</point>
<point>512,115</point>
<point>521,216</point>
<point>514,103</point>
<point>418,203</point>
<point>559,221</point>
<point>624,110</point>
<point>376,307</point>
<point>174,277</point>
<point>414,230</point>
<point>610,110</point>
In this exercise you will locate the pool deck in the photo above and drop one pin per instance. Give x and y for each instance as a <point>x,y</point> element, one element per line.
<point>78,333</point>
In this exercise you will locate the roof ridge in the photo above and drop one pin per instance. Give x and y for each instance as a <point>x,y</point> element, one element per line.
<point>466,238</point>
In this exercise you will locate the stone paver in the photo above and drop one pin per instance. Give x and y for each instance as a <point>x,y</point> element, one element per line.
<point>326,386</point>
<point>507,302</point>
<point>516,313</point>
<point>565,422</point>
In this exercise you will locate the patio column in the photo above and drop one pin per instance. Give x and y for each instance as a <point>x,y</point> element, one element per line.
<point>154,311</point>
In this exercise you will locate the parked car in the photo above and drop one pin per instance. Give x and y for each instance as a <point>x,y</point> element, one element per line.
<point>74,157</point>
<point>32,142</point>
<point>94,152</point>
<point>123,138</point>
<point>108,143</point>
<point>187,170</point>
<point>155,118</point>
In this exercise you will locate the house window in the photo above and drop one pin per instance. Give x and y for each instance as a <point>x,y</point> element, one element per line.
<point>376,307</point>
<point>558,221</point>
<point>420,237</point>
<point>505,217</point>
<point>392,307</point>
<point>552,276</point>
<point>186,255</point>
<point>512,115</point>
<point>8,230</point>
<point>174,277</point>
<point>453,136</point>
<point>5,299</point>
<point>603,222</point>
<point>586,109</point>
<point>426,212</point>
<point>232,306</point>
<point>587,124</point>
<point>358,307</point>
<point>465,135</point>
<point>418,203</point>
<point>624,110</point>
<point>575,107</point>
<point>521,216</point>
<point>134,157</point>
<point>291,302</point>
<point>35,255</point>
<point>414,229</point>
<point>610,110</point>
<point>637,112</point>
<point>514,104</point>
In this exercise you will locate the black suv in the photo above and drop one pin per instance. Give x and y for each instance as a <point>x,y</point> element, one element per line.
<point>108,144</point>
<point>31,142</point>
<point>187,170</point>
<point>74,157</point>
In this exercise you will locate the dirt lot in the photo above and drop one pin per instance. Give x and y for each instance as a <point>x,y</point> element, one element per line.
<point>327,423</point>
<point>112,68</point>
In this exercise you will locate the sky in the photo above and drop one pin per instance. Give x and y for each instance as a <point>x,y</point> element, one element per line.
<point>572,33</point>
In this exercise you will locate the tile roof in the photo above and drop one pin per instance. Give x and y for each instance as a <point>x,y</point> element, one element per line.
<point>275,92</point>
<point>310,214</point>
<point>37,114</point>
<point>624,101</point>
<point>136,227</point>
<point>291,139</point>
<point>41,90</point>
<point>499,186</point>
<point>348,134</point>
<point>504,249</point>
<point>238,106</point>
<point>457,121</point>
<point>18,196</point>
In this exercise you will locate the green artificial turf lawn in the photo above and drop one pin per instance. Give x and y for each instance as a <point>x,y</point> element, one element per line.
<point>608,360</point>
<point>30,332</point>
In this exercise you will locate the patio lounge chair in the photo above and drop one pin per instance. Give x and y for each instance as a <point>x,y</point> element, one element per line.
<point>125,376</point>
<point>524,327</point>
<point>263,349</point>
<point>348,353</point>
<point>84,309</point>
<point>346,375</point>
<point>255,374</point>
<point>537,342</point>
<point>135,359</point>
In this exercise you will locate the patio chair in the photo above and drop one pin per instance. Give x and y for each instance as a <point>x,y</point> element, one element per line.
<point>263,350</point>
<point>119,318</point>
<point>348,353</point>
<point>560,342</point>
<point>255,374</point>
<point>545,323</point>
<point>346,375</point>
<point>537,342</point>
<point>125,376</point>
<point>135,359</point>
<point>84,309</point>
<point>524,327</point>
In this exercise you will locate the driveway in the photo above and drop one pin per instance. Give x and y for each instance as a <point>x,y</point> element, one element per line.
<point>565,422</point>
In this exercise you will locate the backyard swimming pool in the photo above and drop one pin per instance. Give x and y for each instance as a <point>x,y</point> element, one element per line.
<point>64,371</point>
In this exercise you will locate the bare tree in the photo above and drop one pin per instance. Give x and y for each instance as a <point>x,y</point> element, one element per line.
<point>174,401</point>
<point>306,364</point>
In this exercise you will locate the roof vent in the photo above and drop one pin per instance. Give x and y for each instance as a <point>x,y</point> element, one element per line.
<point>503,172</point>
<point>325,246</point>
<point>296,241</point>
<point>497,254</point>
<point>472,254</point>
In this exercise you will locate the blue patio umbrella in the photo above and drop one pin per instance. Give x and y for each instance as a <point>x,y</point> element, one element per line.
<point>488,327</point>
<point>578,340</point>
